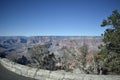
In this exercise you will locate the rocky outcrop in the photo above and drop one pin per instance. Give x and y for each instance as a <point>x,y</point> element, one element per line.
<point>52,75</point>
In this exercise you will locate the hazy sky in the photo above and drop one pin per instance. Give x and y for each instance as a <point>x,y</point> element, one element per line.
<point>54,17</point>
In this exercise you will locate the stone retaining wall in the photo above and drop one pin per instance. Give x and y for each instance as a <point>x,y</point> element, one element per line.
<point>52,75</point>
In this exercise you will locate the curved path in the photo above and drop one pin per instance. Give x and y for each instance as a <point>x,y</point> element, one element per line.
<point>8,75</point>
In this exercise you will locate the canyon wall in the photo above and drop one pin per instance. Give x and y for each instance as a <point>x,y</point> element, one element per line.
<point>41,74</point>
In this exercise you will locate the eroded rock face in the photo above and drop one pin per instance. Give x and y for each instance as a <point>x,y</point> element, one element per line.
<point>15,47</point>
<point>19,44</point>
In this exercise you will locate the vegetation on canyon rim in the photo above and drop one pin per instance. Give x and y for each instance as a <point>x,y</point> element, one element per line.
<point>104,61</point>
<point>107,60</point>
<point>110,51</point>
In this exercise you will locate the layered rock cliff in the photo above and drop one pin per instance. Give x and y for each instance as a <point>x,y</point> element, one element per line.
<point>14,46</point>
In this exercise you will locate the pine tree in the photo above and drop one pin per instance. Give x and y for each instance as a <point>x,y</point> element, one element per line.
<point>110,51</point>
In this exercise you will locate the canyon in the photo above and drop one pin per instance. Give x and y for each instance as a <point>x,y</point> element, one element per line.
<point>16,46</point>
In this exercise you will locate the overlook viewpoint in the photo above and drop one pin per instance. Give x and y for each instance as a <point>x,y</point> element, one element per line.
<point>59,39</point>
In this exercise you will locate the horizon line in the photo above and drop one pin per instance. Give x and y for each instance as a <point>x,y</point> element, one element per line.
<point>46,35</point>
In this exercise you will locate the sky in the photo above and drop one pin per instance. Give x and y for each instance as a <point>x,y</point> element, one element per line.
<point>54,17</point>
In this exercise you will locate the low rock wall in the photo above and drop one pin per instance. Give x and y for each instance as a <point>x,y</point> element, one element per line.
<point>41,74</point>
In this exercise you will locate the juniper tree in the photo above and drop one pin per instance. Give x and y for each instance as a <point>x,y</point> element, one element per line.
<point>38,52</point>
<point>84,52</point>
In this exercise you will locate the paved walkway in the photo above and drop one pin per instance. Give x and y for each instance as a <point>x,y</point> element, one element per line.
<point>8,75</point>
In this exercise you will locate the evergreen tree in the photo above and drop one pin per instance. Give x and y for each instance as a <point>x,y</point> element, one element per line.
<point>110,51</point>
<point>84,52</point>
<point>38,52</point>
